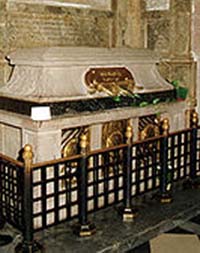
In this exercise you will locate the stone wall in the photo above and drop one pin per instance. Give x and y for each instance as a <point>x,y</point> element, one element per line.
<point>3,24</point>
<point>168,31</point>
<point>161,25</point>
<point>127,24</point>
<point>29,24</point>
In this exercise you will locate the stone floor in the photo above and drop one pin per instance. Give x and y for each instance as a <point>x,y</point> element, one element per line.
<point>186,230</point>
<point>115,236</point>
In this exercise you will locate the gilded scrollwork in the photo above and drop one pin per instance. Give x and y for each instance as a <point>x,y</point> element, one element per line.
<point>113,134</point>
<point>71,147</point>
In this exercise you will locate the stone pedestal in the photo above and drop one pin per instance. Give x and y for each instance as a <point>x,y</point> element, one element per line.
<point>46,136</point>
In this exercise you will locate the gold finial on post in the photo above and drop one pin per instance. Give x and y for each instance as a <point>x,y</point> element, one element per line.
<point>28,157</point>
<point>129,133</point>
<point>165,126</point>
<point>83,143</point>
<point>194,119</point>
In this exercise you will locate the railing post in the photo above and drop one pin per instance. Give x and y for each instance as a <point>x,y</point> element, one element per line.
<point>193,147</point>
<point>128,213</point>
<point>165,193</point>
<point>28,244</point>
<point>84,227</point>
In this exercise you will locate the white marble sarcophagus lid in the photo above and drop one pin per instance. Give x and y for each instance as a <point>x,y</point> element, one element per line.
<point>58,73</point>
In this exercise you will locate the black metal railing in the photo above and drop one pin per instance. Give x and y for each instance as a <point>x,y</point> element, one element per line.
<point>105,178</point>
<point>179,154</point>
<point>54,192</point>
<point>11,191</point>
<point>146,166</point>
<point>37,196</point>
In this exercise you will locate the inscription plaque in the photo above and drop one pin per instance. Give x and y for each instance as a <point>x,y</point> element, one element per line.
<point>111,80</point>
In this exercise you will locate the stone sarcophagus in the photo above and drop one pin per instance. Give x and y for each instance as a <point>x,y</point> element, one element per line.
<point>55,94</point>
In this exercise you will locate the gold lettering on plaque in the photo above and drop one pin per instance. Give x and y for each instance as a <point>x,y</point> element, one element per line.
<point>113,81</point>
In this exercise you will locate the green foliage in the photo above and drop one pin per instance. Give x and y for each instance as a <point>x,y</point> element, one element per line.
<point>156,101</point>
<point>175,83</point>
<point>117,99</point>
<point>181,92</point>
<point>143,104</point>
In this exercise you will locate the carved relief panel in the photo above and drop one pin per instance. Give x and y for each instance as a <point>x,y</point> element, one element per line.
<point>113,133</point>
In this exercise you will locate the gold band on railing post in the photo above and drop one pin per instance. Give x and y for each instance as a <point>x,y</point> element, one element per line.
<point>194,119</point>
<point>165,126</point>
<point>28,157</point>
<point>83,143</point>
<point>129,133</point>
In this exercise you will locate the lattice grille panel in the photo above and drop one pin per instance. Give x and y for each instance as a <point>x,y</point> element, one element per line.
<point>145,166</point>
<point>55,193</point>
<point>105,178</point>
<point>179,154</point>
<point>11,189</point>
